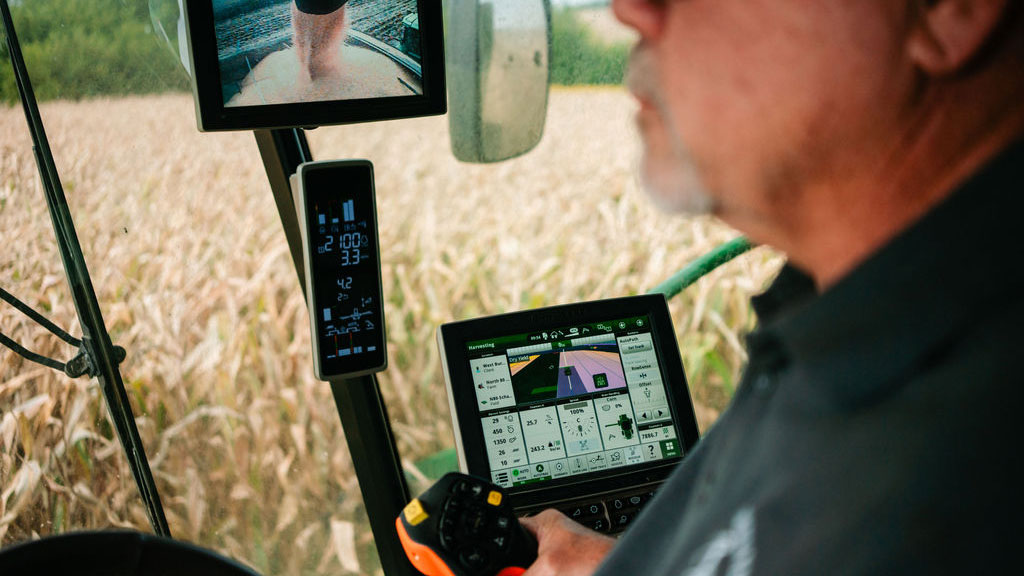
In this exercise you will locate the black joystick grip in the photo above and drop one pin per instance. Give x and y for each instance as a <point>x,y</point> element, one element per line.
<point>463,526</point>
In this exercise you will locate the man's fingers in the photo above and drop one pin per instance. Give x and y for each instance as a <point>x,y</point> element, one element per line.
<point>564,548</point>
<point>531,524</point>
<point>541,524</point>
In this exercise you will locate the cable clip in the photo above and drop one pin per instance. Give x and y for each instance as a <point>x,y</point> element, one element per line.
<point>82,363</point>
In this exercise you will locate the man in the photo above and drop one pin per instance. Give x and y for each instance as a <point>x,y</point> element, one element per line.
<point>878,143</point>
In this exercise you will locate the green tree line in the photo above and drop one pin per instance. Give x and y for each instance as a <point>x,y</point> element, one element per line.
<point>82,48</point>
<point>578,56</point>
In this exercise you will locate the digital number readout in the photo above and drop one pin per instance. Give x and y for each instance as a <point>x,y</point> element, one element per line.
<point>345,269</point>
<point>349,247</point>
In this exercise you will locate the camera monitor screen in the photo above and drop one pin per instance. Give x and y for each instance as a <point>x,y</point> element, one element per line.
<point>543,398</point>
<point>302,63</point>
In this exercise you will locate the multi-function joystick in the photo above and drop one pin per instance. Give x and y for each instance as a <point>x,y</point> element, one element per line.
<point>463,526</point>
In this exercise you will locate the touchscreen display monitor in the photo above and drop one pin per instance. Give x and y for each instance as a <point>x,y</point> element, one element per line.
<point>572,400</point>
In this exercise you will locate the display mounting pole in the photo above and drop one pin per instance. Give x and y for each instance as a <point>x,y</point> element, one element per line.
<point>96,342</point>
<point>361,408</point>
<point>282,152</point>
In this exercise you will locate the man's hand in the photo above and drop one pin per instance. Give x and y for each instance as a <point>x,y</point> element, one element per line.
<point>564,548</point>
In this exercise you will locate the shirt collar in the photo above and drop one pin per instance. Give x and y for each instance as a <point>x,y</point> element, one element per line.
<point>882,321</point>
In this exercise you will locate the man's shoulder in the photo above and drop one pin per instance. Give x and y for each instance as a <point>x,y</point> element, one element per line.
<point>979,359</point>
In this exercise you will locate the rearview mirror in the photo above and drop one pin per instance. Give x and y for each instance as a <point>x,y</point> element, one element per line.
<point>497,60</point>
<point>167,17</point>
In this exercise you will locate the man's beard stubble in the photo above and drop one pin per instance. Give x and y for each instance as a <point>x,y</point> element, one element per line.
<point>668,172</point>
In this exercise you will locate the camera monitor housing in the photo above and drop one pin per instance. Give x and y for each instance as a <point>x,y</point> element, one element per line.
<point>338,221</point>
<point>564,402</point>
<point>262,64</point>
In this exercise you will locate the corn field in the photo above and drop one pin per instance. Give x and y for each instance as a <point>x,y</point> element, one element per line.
<point>195,279</point>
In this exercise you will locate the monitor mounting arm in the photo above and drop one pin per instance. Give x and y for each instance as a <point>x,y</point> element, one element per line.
<point>364,417</point>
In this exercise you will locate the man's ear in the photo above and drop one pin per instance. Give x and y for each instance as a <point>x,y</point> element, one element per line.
<point>947,34</point>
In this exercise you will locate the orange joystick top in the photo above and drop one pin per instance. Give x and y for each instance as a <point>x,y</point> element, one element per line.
<point>464,526</point>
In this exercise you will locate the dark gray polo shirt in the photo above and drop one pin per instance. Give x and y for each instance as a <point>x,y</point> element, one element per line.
<point>877,428</point>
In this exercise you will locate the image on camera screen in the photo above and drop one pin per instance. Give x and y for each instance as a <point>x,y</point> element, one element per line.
<point>293,51</point>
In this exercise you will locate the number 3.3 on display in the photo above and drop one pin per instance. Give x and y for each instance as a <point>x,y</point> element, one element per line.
<point>349,247</point>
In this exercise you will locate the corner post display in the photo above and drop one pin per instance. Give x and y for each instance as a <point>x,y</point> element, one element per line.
<point>360,405</point>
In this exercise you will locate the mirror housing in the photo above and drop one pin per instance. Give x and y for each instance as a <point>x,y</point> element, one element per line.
<point>167,17</point>
<point>497,54</point>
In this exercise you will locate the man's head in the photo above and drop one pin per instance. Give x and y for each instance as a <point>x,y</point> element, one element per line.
<point>768,102</point>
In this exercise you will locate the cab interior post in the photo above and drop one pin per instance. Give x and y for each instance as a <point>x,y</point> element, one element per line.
<point>360,405</point>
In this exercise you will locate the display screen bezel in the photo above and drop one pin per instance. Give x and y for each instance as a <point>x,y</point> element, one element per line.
<point>213,115</point>
<point>454,338</point>
<point>317,179</point>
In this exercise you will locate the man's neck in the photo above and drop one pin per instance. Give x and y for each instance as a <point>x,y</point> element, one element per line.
<point>841,222</point>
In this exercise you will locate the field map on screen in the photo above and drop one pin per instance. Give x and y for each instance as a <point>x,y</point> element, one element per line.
<point>567,401</point>
<point>293,51</point>
<point>562,373</point>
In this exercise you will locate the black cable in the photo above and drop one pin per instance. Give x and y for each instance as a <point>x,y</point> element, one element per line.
<point>30,355</point>
<point>39,318</point>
